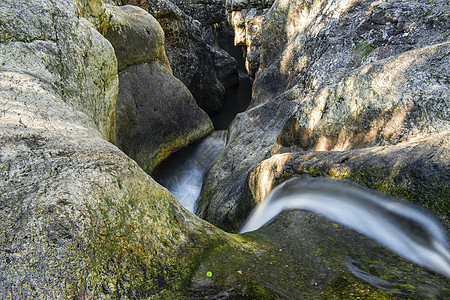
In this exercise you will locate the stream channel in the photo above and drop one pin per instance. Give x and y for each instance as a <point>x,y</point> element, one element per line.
<point>184,171</point>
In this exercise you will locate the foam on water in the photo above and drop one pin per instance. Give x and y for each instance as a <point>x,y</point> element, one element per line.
<point>403,228</point>
<point>183,174</point>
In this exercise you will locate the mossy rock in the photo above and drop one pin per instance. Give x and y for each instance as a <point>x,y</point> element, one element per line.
<point>301,255</point>
<point>417,171</point>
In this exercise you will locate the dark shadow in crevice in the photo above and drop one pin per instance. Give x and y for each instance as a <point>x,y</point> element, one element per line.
<point>237,97</point>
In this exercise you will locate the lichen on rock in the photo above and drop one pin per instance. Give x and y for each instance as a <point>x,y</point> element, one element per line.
<point>80,218</point>
<point>335,76</point>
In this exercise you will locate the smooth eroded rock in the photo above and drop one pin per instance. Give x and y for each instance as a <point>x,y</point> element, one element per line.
<point>156,114</point>
<point>349,75</point>
<point>192,50</point>
<point>135,35</point>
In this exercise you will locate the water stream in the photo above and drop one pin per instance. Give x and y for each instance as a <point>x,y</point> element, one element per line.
<point>184,172</point>
<point>402,227</point>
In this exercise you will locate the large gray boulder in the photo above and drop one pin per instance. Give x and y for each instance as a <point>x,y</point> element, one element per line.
<point>135,35</point>
<point>336,75</point>
<point>59,51</point>
<point>79,218</point>
<point>156,114</point>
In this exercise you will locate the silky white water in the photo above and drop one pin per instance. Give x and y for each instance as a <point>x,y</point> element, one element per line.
<point>183,174</point>
<point>403,228</point>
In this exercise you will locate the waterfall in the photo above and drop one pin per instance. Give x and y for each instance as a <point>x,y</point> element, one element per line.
<point>402,227</point>
<point>184,172</point>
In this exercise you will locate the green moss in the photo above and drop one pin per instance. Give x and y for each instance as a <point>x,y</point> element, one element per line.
<point>233,270</point>
<point>362,50</point>
<point>347,287</point>
<point>433,197</point>
<point>202,203</point>
<point>138,246</point>
<point>127,257</point>
<point>9,36</point>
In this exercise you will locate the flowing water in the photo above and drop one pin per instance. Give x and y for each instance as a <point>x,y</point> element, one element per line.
<point>184,172</point>
<point>402,227</point>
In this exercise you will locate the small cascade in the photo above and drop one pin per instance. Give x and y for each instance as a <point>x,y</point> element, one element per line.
<point>183,173</point>
<point>402,227</point>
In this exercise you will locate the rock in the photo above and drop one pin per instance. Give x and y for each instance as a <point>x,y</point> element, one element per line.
<point>80,219</point>
<point>347,75</point>
<point>226,67</point>
<point>417,170</point>
<point>192,51</point>
<point>190,57</point>
<point>247,18</point>
<point>156,114</point>
<point>225,199</point>
<point>84,80</point>
<point>362,110</point>
<point>152,104</point>
<point>82,215</point>
<point>207,12</point>
<point>135,35</point>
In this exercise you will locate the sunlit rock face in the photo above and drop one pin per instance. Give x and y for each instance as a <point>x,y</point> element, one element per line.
<point>247,18</point>
<point>84,81</point>
<point>135,35</point>
<point>336,76</point>
<point>417,170</point>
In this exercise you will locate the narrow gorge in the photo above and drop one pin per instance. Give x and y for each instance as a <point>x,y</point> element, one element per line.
<point>327,144</point>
